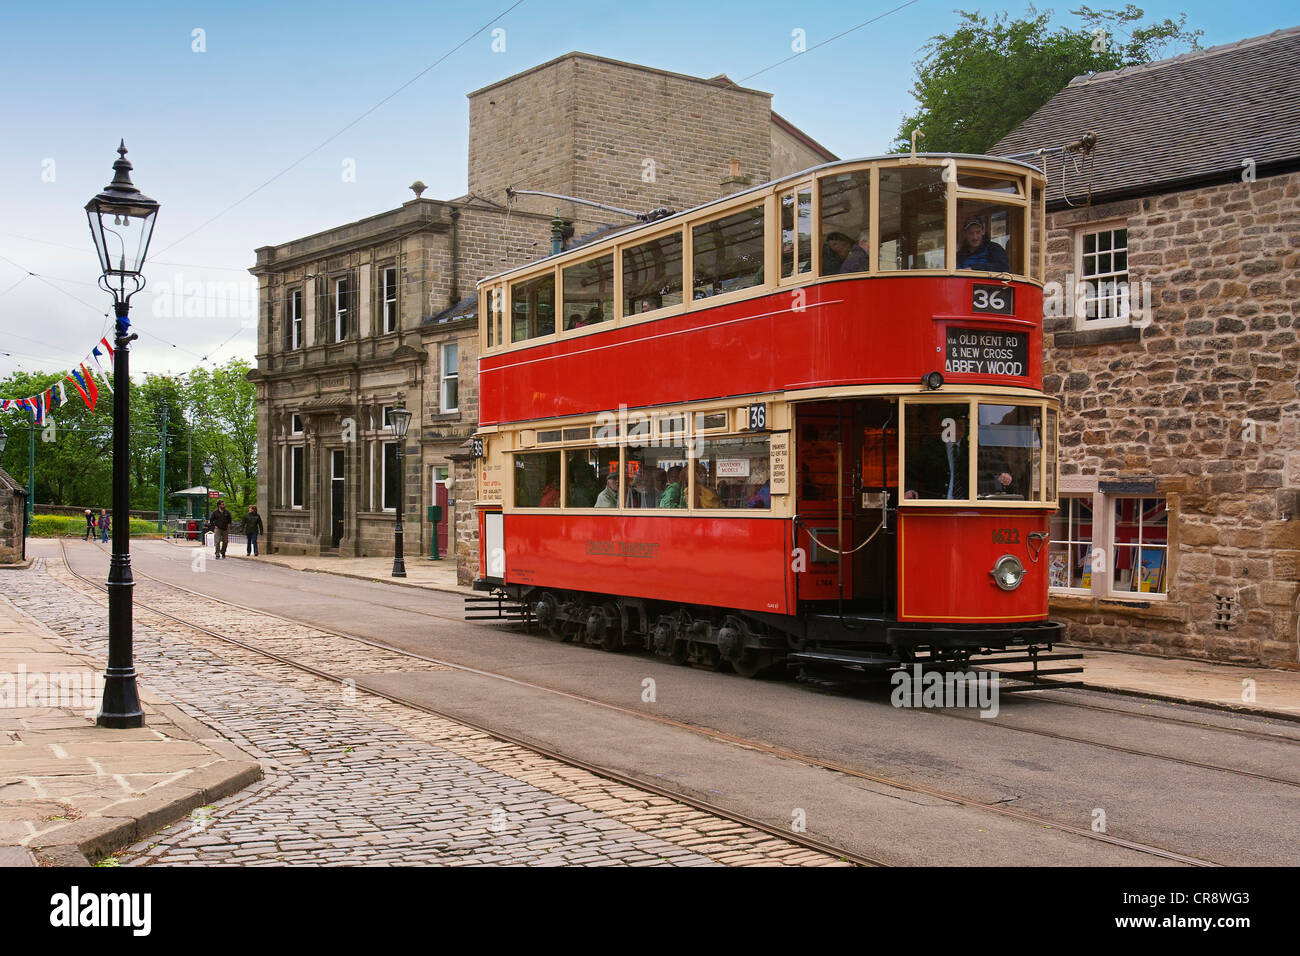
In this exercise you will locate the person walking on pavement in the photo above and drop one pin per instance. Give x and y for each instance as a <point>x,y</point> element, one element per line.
<point>219,524</point>
<point>104,522</point>
<point>252,528</point>
<point>90,526</point>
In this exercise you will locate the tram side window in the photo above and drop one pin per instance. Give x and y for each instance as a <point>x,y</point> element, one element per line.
<point>589,292</point>
<point>990,236</point>
<point>657,477</point>
<point>936,456</point>
<point>913,217</point>
<point>1010,453</point>
<point>796,233</point>
<point>587,474</point>
<point>733,473</point>
<point>532,308</point>
<point>846,223</point>
<point>537,480</point>
<point>652,275</point>
<point>727,253</point>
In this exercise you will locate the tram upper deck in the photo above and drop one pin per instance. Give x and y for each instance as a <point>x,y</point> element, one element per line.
<point>864,272</point>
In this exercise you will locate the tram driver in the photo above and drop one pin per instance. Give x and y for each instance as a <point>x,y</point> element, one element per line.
<point>939,465</point>
<point>977,251</point>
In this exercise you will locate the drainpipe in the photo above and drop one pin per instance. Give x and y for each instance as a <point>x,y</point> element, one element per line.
<point>455,257</point>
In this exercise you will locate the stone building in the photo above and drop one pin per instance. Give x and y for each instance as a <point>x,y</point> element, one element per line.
<point>1171,340</point>
<point>381,312</point>
<point>13,509</point>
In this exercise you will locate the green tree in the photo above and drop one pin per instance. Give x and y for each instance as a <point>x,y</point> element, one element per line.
<point>222,408</point>
<point>979,82</point>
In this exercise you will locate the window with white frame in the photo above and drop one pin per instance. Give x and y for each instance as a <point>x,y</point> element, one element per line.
<point>297,475</point>
<point>1069,563</point>
<point>342,300</point>
<point>450,392</point>
<point>1110,545</point>
<point>388,297</point>
<point>295,424</point>
<point>1103,296</point>
<point>386,416</point>
<point>1140,552</point>
<point>295,319</point>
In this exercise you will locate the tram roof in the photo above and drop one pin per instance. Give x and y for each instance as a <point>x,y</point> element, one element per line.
<point>600,235</point>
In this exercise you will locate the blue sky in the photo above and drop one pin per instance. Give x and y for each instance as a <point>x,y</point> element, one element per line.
<point>207,128</point>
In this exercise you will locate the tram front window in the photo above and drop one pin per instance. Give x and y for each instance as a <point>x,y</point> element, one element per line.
<point>913,218</point>
<point>1010,453</point>
<point>936,458</point>
<point>990,236</point>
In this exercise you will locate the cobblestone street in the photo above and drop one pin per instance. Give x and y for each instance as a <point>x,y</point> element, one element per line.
<point>352,778</point>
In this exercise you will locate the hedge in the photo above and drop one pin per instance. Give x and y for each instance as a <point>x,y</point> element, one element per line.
<point>57,526</point>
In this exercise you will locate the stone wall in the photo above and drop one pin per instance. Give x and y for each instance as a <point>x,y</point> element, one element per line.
<point>617,133</point>
<point>12,505</point>
<point>1175,403</point>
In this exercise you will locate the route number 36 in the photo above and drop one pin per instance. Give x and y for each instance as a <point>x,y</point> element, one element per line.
<point>757,417</point>
<point>993,298</point>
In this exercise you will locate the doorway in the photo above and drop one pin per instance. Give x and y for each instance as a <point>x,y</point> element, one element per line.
<point>336,497</point>
<point>847,497</point>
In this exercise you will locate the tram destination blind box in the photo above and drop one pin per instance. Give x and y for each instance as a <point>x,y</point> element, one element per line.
<point>980,352</point>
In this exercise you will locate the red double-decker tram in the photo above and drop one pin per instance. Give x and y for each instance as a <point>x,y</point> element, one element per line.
<point>803,423</point>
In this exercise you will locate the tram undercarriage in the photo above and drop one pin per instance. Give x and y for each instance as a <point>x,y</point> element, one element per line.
<point>753,644</point>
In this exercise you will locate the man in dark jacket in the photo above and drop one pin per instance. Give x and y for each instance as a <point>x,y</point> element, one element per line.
<point>252,528</point>
<point>978,252</point>
<point>219,524</point>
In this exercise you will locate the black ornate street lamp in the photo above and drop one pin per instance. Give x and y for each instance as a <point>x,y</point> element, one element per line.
<point>121,223</point>
<point>400,418</point>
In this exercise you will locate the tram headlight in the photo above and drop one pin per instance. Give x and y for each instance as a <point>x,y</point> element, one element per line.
<point>932,380</point>
<point>1008,572</point>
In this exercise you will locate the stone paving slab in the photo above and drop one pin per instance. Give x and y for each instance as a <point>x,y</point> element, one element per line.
<point>70,790</point>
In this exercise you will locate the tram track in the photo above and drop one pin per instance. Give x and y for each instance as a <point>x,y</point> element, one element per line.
<point>713,734</point>
<point>607,773</point>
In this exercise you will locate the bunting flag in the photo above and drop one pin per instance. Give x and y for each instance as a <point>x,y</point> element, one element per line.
<point>85,378</point>
<point>94,355</point>
<point>86,386</point>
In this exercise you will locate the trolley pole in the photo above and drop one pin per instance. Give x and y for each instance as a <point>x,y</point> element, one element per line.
<point>162,468</point>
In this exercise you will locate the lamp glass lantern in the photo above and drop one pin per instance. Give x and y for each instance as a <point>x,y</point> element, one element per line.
<point>121,224</point>
<point>4,438</point>
<point>400,419</point>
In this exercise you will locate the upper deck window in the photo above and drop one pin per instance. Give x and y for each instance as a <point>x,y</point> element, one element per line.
<point>532,308</point>
<point>990,182</point>
<point>796,232</point>
<point>913,218</point>
<point>727,253</point>
<point>589,292</point>
<point>652,275</point>
<point>846,222</point>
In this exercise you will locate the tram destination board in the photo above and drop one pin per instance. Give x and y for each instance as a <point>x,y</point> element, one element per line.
<point>980,352</point>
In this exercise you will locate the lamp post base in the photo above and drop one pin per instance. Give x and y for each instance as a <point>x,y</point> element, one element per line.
<point>399,565</point>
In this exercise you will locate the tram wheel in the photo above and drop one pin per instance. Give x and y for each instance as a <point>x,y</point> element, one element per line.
<point>546,611</point>
<point>751,663</point>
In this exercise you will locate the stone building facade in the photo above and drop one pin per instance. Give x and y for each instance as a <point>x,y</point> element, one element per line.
<point>13,506</point>
<point>381,312</point>
<point>1171,338</point>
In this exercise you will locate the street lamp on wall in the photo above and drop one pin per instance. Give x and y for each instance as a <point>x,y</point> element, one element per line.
<point>121,224</point>
<point>400,418</point>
